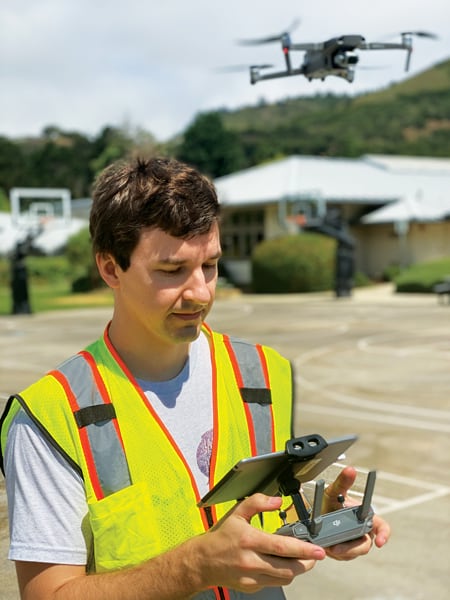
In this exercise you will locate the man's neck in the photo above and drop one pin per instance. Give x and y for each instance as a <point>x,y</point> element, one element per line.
<point>147,360</point>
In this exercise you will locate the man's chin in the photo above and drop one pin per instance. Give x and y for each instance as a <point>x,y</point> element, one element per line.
<point>189,333</point>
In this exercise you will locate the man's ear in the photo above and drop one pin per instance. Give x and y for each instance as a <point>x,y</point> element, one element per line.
<point>107,267</point>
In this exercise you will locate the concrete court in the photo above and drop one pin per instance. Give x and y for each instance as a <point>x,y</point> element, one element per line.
<point>376,364</point>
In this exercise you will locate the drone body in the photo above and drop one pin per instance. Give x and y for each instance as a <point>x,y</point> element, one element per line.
<point>335,57</point>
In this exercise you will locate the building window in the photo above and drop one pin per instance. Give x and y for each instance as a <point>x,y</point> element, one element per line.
<point>241,232</point>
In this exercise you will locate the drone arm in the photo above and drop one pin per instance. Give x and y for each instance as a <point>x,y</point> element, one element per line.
<point>405,45</point>
<point>408,59</point>
<point>306,47</point>
<point>382,46</point>
<point>287,58</point>
<point>256,76</point>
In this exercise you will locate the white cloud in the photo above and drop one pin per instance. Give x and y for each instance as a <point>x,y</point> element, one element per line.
<point>83,64</point>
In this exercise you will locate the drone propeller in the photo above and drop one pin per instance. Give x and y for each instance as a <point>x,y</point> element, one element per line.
<point>425,34</point>
<point>406,37</point>
<point>237,68</point>
<point>272,38</point>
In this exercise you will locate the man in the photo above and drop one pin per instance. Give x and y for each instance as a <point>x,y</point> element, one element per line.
<point>107,456</point>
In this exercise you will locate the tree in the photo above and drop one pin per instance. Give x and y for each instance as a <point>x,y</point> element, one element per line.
<point>11,164</point>
<point>210,147</point>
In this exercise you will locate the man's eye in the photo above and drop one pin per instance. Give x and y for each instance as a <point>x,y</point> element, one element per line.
<point>173,271</point>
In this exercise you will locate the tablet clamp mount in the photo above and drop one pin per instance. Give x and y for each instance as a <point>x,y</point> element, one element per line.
<point>342,525</point>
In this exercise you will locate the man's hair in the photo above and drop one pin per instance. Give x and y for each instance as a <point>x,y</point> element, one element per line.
<point>161,193</point>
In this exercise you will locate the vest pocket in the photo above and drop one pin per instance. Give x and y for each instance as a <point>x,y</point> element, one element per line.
<point>122,529</point>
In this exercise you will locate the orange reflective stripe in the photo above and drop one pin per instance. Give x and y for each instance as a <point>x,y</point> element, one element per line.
<point>92,408</point>
<point>265,369</point>
<point>251,372</point>
<point>101,388</point>
<point>84,439</point>
<point>263,364</point>
<point>240,383</point>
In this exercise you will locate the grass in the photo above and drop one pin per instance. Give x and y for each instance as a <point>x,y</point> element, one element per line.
<point>421,278</point>
<point>49,286</point>
<point>55,296</point>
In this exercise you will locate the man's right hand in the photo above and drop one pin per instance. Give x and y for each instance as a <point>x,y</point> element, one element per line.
<point>246,559</point>
<point>232,554</point>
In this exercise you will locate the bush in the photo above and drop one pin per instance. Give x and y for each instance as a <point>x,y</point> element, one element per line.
<point>294,263</point>
<point>48,269</point>
<point>79,254</point>
<point>391,272</point>
<point>361,280</point>
<point>422,277</point>
<point>40,269</point>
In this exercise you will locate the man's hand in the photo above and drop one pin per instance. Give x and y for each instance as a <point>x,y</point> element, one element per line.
<point>246,559</point>
<point>380,532</point>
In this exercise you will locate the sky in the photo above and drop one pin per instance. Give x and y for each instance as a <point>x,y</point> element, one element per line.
<point>83,64</point>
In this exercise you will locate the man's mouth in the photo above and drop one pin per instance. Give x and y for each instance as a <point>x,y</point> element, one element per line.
<point>189,316</point>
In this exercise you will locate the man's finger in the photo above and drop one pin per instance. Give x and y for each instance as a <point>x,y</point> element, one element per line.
<point>341,485</point>
<point>255,504</point>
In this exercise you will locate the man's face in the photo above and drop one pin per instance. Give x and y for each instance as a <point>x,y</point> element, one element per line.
<point>169,287</point>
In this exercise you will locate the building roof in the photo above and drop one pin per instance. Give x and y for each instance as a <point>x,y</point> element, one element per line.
<point>420,185</point>
<point>417,209</point>
<point>410,164</point>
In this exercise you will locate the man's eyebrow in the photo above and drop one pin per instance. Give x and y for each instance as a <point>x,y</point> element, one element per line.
<point>179,261</point>
<point>171,261</point>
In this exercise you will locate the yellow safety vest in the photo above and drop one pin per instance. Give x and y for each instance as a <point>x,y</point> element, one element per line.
<point>93,411</point>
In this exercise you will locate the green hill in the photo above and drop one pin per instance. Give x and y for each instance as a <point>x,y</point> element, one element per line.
<point>411,118</point>
<point>436,79</point>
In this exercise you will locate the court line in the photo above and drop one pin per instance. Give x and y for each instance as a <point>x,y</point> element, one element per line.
<point>385,504</point>
<point>367,344</point>
<point>375,405</point>
<point>379,418</point>
<point>396,505</point>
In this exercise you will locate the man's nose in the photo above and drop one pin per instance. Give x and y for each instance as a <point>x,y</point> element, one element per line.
<point>199,287</point>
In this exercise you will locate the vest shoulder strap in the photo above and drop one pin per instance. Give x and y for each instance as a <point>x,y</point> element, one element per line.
<point>251,373</point>
<point>97,424</point>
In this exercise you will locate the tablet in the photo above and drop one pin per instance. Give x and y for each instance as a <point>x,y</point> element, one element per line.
<point>261,473</point>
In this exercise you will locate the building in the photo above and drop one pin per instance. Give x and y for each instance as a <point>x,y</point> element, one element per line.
<point>396,208</point>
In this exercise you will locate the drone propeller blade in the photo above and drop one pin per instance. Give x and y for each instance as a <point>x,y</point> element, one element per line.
<point>425,34</point>
<point>231,69</point>
<point>257,42</point>
<point>240,68</point>
<point>271,38</point>
<point>261,67</point>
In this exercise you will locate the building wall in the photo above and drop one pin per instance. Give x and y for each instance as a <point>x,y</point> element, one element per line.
<point>377,246</point>
<point>381,246</point>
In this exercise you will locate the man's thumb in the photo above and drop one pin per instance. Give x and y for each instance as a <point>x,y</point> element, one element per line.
<point>257,503</point>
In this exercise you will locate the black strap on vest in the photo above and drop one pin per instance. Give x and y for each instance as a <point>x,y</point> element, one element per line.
<point>90,415</point>
<point>260,396</point>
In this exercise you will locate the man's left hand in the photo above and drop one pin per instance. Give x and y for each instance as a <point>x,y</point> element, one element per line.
<point>380,532</point>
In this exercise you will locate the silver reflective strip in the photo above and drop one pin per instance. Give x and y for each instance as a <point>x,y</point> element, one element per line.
<point>109,458</point>
<point>249,364</point>
<point>252,374</point>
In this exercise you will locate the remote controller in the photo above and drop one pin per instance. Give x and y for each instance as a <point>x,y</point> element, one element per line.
<point>335,527</point>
